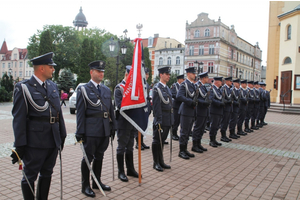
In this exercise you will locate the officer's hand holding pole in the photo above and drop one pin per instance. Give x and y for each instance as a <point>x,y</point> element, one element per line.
<point>80,137</point>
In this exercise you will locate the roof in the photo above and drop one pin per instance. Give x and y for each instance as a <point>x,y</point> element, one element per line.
<point>80,19</point>
<point>3,48</point>
<point>297,8</point>
<point>170,49</point>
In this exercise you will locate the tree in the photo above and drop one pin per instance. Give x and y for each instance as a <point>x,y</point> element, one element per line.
<point>66,80</point>
<point>86,56</point>
<point>148,64</point>
<point>6,90</point>
<point>46,43</point>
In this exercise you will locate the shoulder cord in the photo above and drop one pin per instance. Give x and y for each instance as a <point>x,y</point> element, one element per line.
<point>122,91</point>
<point>202,95</point>
<point>241,92</point>
<point>161,97</point>
<point>227,96</point>
<point>250,93</point>
<point>216,95</point>
<point>235,97</point>
<point>97,104</point>
<point>31,101</point>
<point>176,88</point>
<point>188,92</point>
<point>256,96</point>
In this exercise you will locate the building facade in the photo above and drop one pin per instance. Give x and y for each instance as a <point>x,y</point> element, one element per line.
<point>172,57</point>
<point>221,50</point>
<point>157,43</point>
<point>283,52</point>
<point>15,62</point>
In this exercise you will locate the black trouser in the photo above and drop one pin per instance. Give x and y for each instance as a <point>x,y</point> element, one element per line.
<point>233,120</point>
<point>225,121</point>
<point>249,113</point>
<point>199,127</point>
<point>215,124</point>
<point>176,120</point>
<point>186,124</point>
<point>95,147</point>
<point>241,117</point>
<point>62,102</point>
<point>126,140</point>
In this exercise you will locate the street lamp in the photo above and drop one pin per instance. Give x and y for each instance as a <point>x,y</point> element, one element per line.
<point>9,71</point>
<point>241,72</point>
<point>200,66</point>
<point>123,47</point>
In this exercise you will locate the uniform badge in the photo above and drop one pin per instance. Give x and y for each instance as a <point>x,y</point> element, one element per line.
<point>54,90</point>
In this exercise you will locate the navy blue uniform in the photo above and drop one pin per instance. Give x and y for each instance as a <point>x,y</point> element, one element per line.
<point>216,110</point>
<point>235,108</point>
<point>261,111</point>
<point>227,108</point>
<point>202,112</point>
<point>176,105</point>
<point>250,108</point>
<point>33,129</point>
<point>242,108</point>
<point>186,110</point>
<point>256,106</point>
<point>267,104</point>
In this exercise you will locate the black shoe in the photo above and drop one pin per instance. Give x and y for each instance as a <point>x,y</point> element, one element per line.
<point>195,147</point>
<point>200,146</point>
<point>254,128</point>
<point>27,194</point>
<point>264,123</point>
<point>137,144</point>
<point>232,135</point>
<point>143,144</point>
<point>213,141</point>
<point>121,172</point>
<point>155,155</point>
<point>218,143</point>
<point>97,168</point>
<point>130,166</point>
<point>175,136</point>
<point>224,138</point>
<point>247,130</point>
<point>43,188</point>
<point>161,159</point>
<point>85,180</point>
<point>182,153</point>
<point>165,142</point>
<point>242,133</point>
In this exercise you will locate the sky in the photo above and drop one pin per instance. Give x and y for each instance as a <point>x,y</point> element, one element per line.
<point>21,19</point>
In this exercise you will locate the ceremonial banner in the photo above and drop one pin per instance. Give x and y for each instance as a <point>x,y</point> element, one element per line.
<point>134,103</point>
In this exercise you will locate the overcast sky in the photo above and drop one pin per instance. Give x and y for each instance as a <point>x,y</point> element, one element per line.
<point>20,19</point>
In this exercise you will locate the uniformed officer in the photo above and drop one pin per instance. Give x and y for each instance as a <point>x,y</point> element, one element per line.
<point>249,114</point>
<point>242,108</point>
<point>143,145</point>
<point>95,124</point>
<point>261,110</point>
<point>187,111</point>
<point>256,105</point>
<point>267,103</point>
<point>202,113</point>
<point>176,105</point>
<point>126,133</point>
<point>216,111</point>
<point>38,125</point>
<point>163,117</point>
<point>226,92</point>
<point>235,91</point>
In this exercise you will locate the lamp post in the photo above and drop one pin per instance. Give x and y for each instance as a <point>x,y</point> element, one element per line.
<point>241,72</point>
<point>200,66</point>
<point>123,47</point>
<point>9,71</point>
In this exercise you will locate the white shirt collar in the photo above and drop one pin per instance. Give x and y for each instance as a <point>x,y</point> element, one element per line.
<point>38,80</point>
<point>95,84</point>
<point>162,84</point>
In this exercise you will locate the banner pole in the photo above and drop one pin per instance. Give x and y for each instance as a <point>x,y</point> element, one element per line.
<point>140,158</point>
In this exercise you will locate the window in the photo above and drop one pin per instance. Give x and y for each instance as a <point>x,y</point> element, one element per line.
<point>211,49</point>
<point>197,33</point>
<point>223,33</point>
<point>231,53</point>
<point>231,71</point>
<point>161,61</point>
<point>289,31</point>
<point>177,60</point>
<point>191,64</point>
<point>15,74</point>
<point>210,67</point>
<point>20,73</point>
<point>15,56</point>
<point>191,52</point>
<point>2,73</point>
<point>237,56</point>
<point>150,41</point>
<point>26,73</point>
<point>170,45</point>
<point>29,73</point>
<point>287,60</point>
<point>8,65</point>
<point>165,44</point>
<point>201,49</point>
<point>177,72</point>
<point>237,72</point>
<point>206,33</point>
<point>3,65</point>
<point>21,64</point>
<point>169,60</point>
<point>244,59</point>
<point>15,64</point>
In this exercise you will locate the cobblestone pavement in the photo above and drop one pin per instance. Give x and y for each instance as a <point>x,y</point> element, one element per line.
<point>264,164</point>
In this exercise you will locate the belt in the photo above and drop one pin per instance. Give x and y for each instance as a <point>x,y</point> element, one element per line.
<point>98,115</point>
<point>168,111</point>
<point>51,120</point>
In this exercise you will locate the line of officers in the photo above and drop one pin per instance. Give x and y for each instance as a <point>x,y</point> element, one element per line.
<point>40,132</point>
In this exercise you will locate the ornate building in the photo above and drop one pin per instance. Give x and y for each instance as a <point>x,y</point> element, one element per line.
<point>80,20</point>
<point>221,50</point>
<point>14,62</point>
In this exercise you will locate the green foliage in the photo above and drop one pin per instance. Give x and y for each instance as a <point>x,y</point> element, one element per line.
<point>6,89</point>
<point>46,43</point>
<point>66,80</point>
<point>173,79</point>
<point>148,64</point>
<point>86,56</point>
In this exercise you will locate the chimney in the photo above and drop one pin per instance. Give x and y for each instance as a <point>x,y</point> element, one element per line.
<point>156,35</point>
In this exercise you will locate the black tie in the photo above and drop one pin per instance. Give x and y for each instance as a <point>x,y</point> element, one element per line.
<point>98,87</point>
<point>44,86</point>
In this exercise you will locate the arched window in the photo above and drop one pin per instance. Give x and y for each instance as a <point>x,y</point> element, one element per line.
<point>206,33</point>
<point>177,60</point>
<point>169,60</point>
<point>287,60</point>
<point>289,32</point>
<point>161,61</point>
<point>197,33</point>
